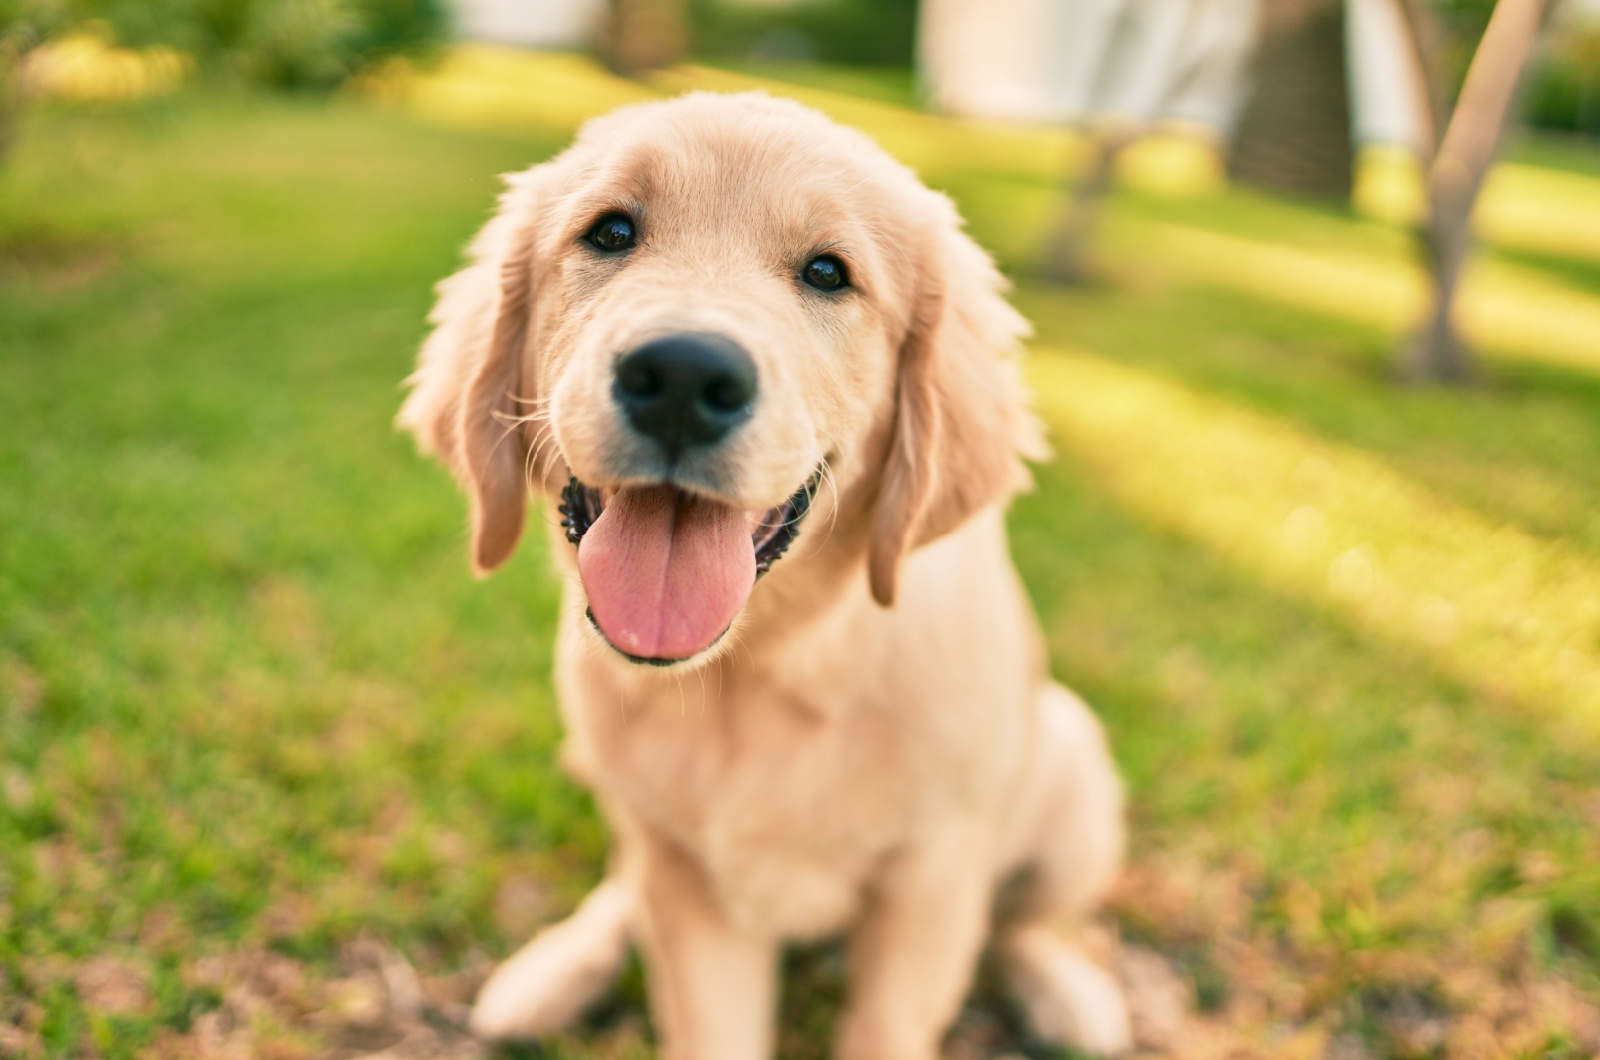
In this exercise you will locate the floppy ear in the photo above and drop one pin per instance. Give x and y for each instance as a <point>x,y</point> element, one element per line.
<point>471,391</point>
<point>962,421</point>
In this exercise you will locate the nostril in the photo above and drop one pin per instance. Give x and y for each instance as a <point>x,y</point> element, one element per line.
<point>728,394</point>
<point>638,378</point>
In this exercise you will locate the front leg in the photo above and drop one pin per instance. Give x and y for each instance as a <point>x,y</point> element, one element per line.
<point>913,954</point>
<point>712,986</point>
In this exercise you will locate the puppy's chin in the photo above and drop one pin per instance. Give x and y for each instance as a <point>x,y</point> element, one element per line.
<point>648,665</point>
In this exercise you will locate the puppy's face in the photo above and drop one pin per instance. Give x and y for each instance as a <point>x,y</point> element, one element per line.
<point>717,310</point>
<point>704,307</point>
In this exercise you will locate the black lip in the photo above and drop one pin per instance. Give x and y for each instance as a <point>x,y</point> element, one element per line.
<point>580,506</point>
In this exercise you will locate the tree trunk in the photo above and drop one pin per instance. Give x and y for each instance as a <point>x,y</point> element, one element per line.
<point>11,56</point>
<point>1426,39</point>
<point>8,115</point>
<point>1456,175</point>
<point>1294,132</point>
<point>1065,257</point>
<point>1142,65</point>
<point>641,35</point>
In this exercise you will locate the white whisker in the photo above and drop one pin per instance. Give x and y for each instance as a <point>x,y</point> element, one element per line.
<point>545,435</point>
<point>828,479</point>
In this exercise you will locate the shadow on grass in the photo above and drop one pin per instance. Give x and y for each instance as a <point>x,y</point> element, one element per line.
<point>813,994</point>
<point>1521,449</point>
<point>1250,722</point>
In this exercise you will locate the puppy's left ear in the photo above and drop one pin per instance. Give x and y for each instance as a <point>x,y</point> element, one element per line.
<point>473,390</point>
<point>962,419</point>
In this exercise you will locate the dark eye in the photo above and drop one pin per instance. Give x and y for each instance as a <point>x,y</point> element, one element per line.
<point>612,233</point>
<point>825,273</point>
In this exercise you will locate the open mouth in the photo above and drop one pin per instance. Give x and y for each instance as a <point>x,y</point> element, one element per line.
<point>667,570</point>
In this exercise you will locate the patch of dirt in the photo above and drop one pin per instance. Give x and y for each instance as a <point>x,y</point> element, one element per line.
<point>523,904</point>
<point>19,1037</point>
<point>378,1007</point>
<point>1277,994</point>
<point>114,986</point>
<point>1205,980</point>
<point>56,261</point>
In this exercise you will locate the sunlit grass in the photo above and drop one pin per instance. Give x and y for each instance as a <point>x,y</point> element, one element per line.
<point>1176,163</point>
<point>1512,615</point>
<point>83,66</point>
<point>1543,210</point>
<point>1522,207</point>
<point>1509,309</point>
<point>1389,185</point>
<point>499,87</point>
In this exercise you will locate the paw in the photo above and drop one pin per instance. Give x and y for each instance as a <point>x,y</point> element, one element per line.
<point>528,997</point>
<point>547,984</point>
<point>1067,998</point>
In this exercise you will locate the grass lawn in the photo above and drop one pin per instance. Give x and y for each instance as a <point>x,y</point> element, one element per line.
<point>278,777</point>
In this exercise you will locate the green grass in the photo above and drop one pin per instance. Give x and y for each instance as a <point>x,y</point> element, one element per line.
<point>260,732</point>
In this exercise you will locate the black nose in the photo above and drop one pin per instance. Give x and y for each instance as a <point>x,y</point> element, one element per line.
<point>686,390</point>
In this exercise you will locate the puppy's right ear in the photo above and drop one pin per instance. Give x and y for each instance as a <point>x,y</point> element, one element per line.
<point>962,424</point>
<point>474,390</point>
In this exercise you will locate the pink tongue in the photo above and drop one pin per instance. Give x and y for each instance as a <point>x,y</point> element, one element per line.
<point>665,572</point>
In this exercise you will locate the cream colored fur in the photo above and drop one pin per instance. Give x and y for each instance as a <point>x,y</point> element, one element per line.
<point>876,749</point>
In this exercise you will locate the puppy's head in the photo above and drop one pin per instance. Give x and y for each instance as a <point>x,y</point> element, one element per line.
<point>686,320</point>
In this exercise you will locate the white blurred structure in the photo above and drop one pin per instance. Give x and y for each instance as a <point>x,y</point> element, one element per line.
<point>531,23</point>
<point>1386,89</point>
<point>1144,61</point>
<point>1138,61</point>
<point>1068,60</point>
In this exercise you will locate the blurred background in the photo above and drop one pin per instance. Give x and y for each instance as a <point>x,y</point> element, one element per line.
<point>1316,291</point>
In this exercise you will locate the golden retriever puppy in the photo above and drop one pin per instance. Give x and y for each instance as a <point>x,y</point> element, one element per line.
<point>770,385</point>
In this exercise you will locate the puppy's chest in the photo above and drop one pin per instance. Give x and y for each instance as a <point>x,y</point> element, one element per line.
<point>786,809</point>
